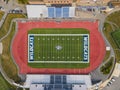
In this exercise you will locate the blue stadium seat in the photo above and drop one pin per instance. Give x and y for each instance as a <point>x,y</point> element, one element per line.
<point>51,12</point>
<point>65,12</point>
<point>58,12</point>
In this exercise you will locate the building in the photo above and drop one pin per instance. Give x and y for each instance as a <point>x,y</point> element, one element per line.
<point>42,11</point>
<point>58,82</point>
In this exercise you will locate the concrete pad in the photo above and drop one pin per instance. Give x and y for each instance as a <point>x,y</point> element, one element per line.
<point>108,48</point>
<point>1,48</point>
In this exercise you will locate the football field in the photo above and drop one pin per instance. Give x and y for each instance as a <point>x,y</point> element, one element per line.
<point>58,46</point>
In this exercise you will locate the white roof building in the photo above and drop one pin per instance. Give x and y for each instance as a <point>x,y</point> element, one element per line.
<point>31,79</point>
<point>37,11</point>
<point>42,11</point>
<point>36,87</point>
<point>85,79</point>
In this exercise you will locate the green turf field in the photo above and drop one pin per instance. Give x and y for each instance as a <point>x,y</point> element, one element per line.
<point>57,46</point>
<point>116,37</point>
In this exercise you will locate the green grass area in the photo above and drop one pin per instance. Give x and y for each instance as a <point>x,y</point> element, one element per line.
<point>107,55</point>
<point>6,60</point>
<point>59,65</point>
<point>116,37</point>
<point>58,48</point>
<point>105,69</point>
<point>59,31</point>
<point>7,63</point>
<point>114,17</point>
<point>47,43</point>
<point>5,27</point>
<point>108,30</point>
<point>4,85</point>
<point>1,14</point>
<point>113,37</point>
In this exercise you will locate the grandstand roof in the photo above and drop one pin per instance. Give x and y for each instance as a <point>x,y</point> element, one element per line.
<point>79,79</point>
<point>37,11</point>
<point>36,79</point>
<point>36,87</point>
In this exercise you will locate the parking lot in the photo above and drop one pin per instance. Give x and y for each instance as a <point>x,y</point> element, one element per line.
<point>16,10</point>
<point>113,85</point>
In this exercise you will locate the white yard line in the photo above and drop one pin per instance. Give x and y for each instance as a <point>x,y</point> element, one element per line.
<point>57,62</point>
<point>57,35</point>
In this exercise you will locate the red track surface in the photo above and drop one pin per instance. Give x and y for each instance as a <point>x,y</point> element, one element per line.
<point>19,46</point>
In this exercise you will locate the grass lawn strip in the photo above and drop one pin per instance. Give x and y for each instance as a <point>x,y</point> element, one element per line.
<point>7,63</point>
<point>116,37</point>
<point>5,27</point>
<point>4,85</point>
<point>107,32</point>
<point>1,14</point>
<point>105,69</point>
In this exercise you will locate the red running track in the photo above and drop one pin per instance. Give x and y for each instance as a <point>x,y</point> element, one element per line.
<point>19,46</point>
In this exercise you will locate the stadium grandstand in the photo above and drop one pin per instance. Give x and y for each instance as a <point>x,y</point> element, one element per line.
<point>58,82</point>
<point>55,76</point>
<point>42,11</point>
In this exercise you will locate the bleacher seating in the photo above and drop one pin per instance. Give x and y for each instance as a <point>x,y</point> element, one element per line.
<point>51,11</point>
<point>65,12</point>
<point>58,12</point>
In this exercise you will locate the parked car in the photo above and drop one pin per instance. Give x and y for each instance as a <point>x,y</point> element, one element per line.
<point>108,84</point>
<point>1,8</point>
<point>112,79</point>
<point>15,11</point>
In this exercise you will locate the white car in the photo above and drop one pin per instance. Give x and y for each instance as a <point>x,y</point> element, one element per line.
<point>112,79</point>
<point>17,8</point>
<point>110,82</point>
<point>1,8</point>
